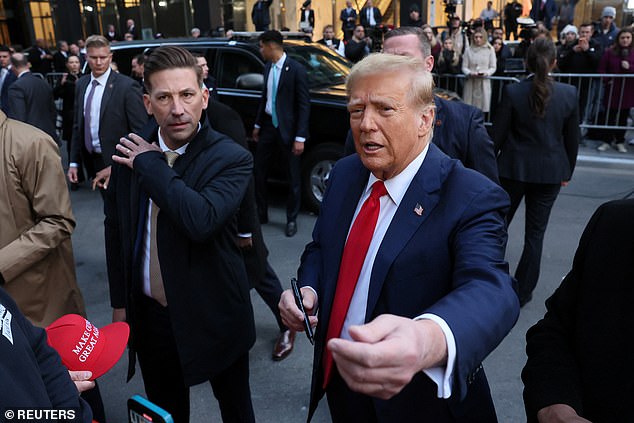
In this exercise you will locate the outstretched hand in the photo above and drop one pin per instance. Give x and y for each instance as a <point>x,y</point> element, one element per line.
<point>386,353</point>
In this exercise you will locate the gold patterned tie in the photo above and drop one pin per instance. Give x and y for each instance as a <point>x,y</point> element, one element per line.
<point>157,288</point>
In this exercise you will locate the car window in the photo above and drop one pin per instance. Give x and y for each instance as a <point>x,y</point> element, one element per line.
<point>234,63</point>
<point>323,68</point>
<point>123,59</point>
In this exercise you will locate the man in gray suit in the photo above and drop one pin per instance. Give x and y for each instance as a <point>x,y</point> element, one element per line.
<point>108,105</point>
<point>30,98</point>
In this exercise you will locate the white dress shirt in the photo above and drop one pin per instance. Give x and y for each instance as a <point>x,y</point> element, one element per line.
<point>371,20</point>
<point>396,188</point>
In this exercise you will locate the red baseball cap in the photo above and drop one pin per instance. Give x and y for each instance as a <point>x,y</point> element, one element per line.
<point>83,346</point>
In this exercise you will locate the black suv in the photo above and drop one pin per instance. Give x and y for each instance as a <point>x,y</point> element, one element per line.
<point>238,66</point>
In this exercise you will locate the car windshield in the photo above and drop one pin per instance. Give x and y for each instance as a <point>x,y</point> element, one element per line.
<point>323,67</point>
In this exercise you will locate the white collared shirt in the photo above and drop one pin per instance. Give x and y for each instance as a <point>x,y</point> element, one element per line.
<point>371,20</point>
<point>148,222</point>
<point>95,107</point>
<point>396,188</point>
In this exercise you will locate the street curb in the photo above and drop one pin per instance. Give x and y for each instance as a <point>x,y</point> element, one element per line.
<point>612,162</point>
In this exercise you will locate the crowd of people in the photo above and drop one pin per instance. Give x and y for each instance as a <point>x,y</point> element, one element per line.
<point>424,191</point>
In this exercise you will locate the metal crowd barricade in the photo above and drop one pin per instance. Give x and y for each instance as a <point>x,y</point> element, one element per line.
<point>595,91</point>
<point>601,98</point>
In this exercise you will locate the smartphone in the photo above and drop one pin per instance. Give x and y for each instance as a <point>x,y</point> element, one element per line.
<point>299,300</point>
<point>141,410</point>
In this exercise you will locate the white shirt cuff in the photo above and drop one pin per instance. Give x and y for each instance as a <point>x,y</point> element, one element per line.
<point>300,139</point>
<point>245,235</point>
<point>441,376</point>
<point>256,126</point>
<point>71,164</point>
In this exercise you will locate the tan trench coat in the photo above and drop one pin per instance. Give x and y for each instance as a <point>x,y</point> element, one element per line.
<point>36,222</point>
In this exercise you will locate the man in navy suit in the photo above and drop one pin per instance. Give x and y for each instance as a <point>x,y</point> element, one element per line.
<point>459,128</point>
<point>370,15</point>
<point>281,124</point>
<point>348,18</point>
<point>30,98</point>
<point>116,108</point>
<point>260,15</point>
<point>175,272</point>
<point>7,77</point>
<point>430,295</point>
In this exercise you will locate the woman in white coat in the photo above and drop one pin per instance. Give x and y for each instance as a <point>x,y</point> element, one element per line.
<point>478,63</point>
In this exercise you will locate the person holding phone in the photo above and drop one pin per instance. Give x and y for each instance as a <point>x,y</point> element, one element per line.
<point>478,62</point>
<point>331,42</point>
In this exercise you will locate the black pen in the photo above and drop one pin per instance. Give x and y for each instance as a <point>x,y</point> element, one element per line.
<point>299,300</point>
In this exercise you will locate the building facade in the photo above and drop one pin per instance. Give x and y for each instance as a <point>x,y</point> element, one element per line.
<point>21,22</point>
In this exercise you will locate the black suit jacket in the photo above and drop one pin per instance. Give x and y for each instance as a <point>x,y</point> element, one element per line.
<point>31,101</point>
<point>343,17</point>
<point>292,101</point>
<point>460,133</point>
<point>205,281</point>
<point>533,149</point>
<point>59,62</point>
<point>227,121</point>
<point>4,93</point>
<point>311,17</point>
<point>364,16</point>
<point>260,15</point>
<point>122,112</point>
<point>39,64</point>
<point>589,318</point>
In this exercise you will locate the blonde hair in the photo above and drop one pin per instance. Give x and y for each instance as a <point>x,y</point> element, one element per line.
<point>421,81</point>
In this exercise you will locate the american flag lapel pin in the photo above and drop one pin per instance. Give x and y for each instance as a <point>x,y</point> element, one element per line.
<point>418,209</point>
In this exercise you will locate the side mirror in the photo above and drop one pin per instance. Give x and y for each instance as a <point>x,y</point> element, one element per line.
<point>250,81</point>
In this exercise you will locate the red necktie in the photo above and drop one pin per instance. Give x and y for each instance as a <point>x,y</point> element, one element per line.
<point>353,257</point>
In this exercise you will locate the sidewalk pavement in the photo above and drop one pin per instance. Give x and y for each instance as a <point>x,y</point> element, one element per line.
<point>588,154</point>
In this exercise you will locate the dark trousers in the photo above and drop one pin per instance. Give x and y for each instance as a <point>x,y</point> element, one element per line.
<point>270,289</point>
<point>539,199</point>
<point>163,377</point>
<point>271,149</point>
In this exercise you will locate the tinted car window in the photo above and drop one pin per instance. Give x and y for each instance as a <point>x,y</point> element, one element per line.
<point>323,69</point>
<point>233,64</point>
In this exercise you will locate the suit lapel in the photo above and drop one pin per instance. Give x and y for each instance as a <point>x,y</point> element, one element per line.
<point>107,93</point>
<point>424,191</point>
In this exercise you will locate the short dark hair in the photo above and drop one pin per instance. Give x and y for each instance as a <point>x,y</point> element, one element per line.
<point>425,47</point>
<point>169,57</point>
<point>4,47</point>
<point>72,55</point>
<point>140,58</point>
<point>271,36</point>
